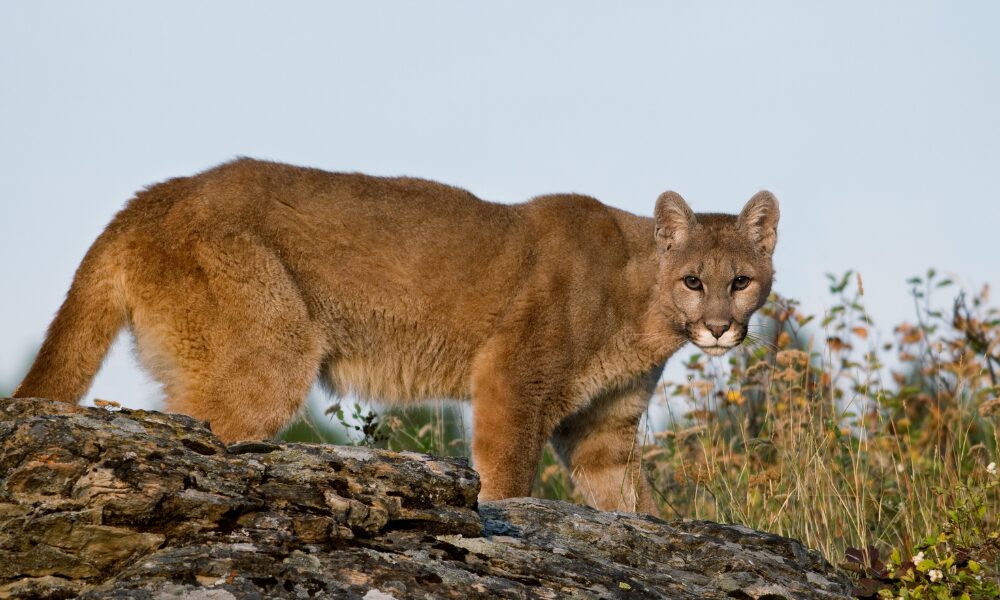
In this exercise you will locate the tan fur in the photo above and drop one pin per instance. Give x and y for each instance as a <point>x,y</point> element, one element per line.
<point>554,317</point>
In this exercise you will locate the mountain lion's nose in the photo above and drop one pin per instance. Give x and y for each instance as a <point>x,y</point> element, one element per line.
<point>718,327</point>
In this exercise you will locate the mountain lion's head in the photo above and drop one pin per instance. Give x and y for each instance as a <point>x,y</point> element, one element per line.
<point>715,269</point>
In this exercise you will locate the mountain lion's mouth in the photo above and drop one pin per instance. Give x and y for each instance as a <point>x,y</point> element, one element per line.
<point>714,345</point>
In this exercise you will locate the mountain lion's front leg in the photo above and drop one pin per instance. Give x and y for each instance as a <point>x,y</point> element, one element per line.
<point>600,447</point>
<point>506,443</point>
<point>512,405</point>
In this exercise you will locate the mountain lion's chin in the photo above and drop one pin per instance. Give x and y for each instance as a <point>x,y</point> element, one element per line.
<point>715,350</point>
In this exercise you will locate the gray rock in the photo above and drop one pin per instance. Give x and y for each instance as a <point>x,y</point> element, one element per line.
<point>133,504</point>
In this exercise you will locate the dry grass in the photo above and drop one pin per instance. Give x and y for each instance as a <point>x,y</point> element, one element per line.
<point>816,438</point>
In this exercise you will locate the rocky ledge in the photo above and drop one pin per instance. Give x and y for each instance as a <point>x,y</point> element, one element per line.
<point>99,503</point>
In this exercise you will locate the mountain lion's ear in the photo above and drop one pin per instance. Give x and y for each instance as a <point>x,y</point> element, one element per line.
<point>674,220</point>
<point>759,220</point>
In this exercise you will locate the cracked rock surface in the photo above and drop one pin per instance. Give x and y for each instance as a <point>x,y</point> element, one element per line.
<point>96,503</point>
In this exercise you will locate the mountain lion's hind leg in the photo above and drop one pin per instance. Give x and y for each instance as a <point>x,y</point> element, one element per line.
<point>600,447</point>
<point>250,390</point>
<point>240,351</point>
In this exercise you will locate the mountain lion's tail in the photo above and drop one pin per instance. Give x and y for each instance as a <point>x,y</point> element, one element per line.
<point>84,328</point>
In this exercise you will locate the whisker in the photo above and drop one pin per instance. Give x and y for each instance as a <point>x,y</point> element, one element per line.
<point>754,344</point>
<point>758,342</point>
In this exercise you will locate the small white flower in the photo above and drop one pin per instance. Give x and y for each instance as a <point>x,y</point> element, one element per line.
<point>900,468</point>
<point>916,559</point>
<point>935,574</point>
<point>991,468</point>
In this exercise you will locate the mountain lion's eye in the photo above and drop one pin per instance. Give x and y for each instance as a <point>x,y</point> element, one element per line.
<point>692,282</point>
<point>741,282</point>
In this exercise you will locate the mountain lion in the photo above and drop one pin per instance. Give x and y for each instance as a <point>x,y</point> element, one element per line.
<point>554,317</point>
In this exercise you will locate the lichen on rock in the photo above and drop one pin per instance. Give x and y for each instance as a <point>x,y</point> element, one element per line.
<point>98,503</point>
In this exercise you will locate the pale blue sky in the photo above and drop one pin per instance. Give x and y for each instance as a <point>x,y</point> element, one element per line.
<point>875,123</point>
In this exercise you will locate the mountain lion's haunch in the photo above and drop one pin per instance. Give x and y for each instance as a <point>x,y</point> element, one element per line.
<point>554,317</point>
